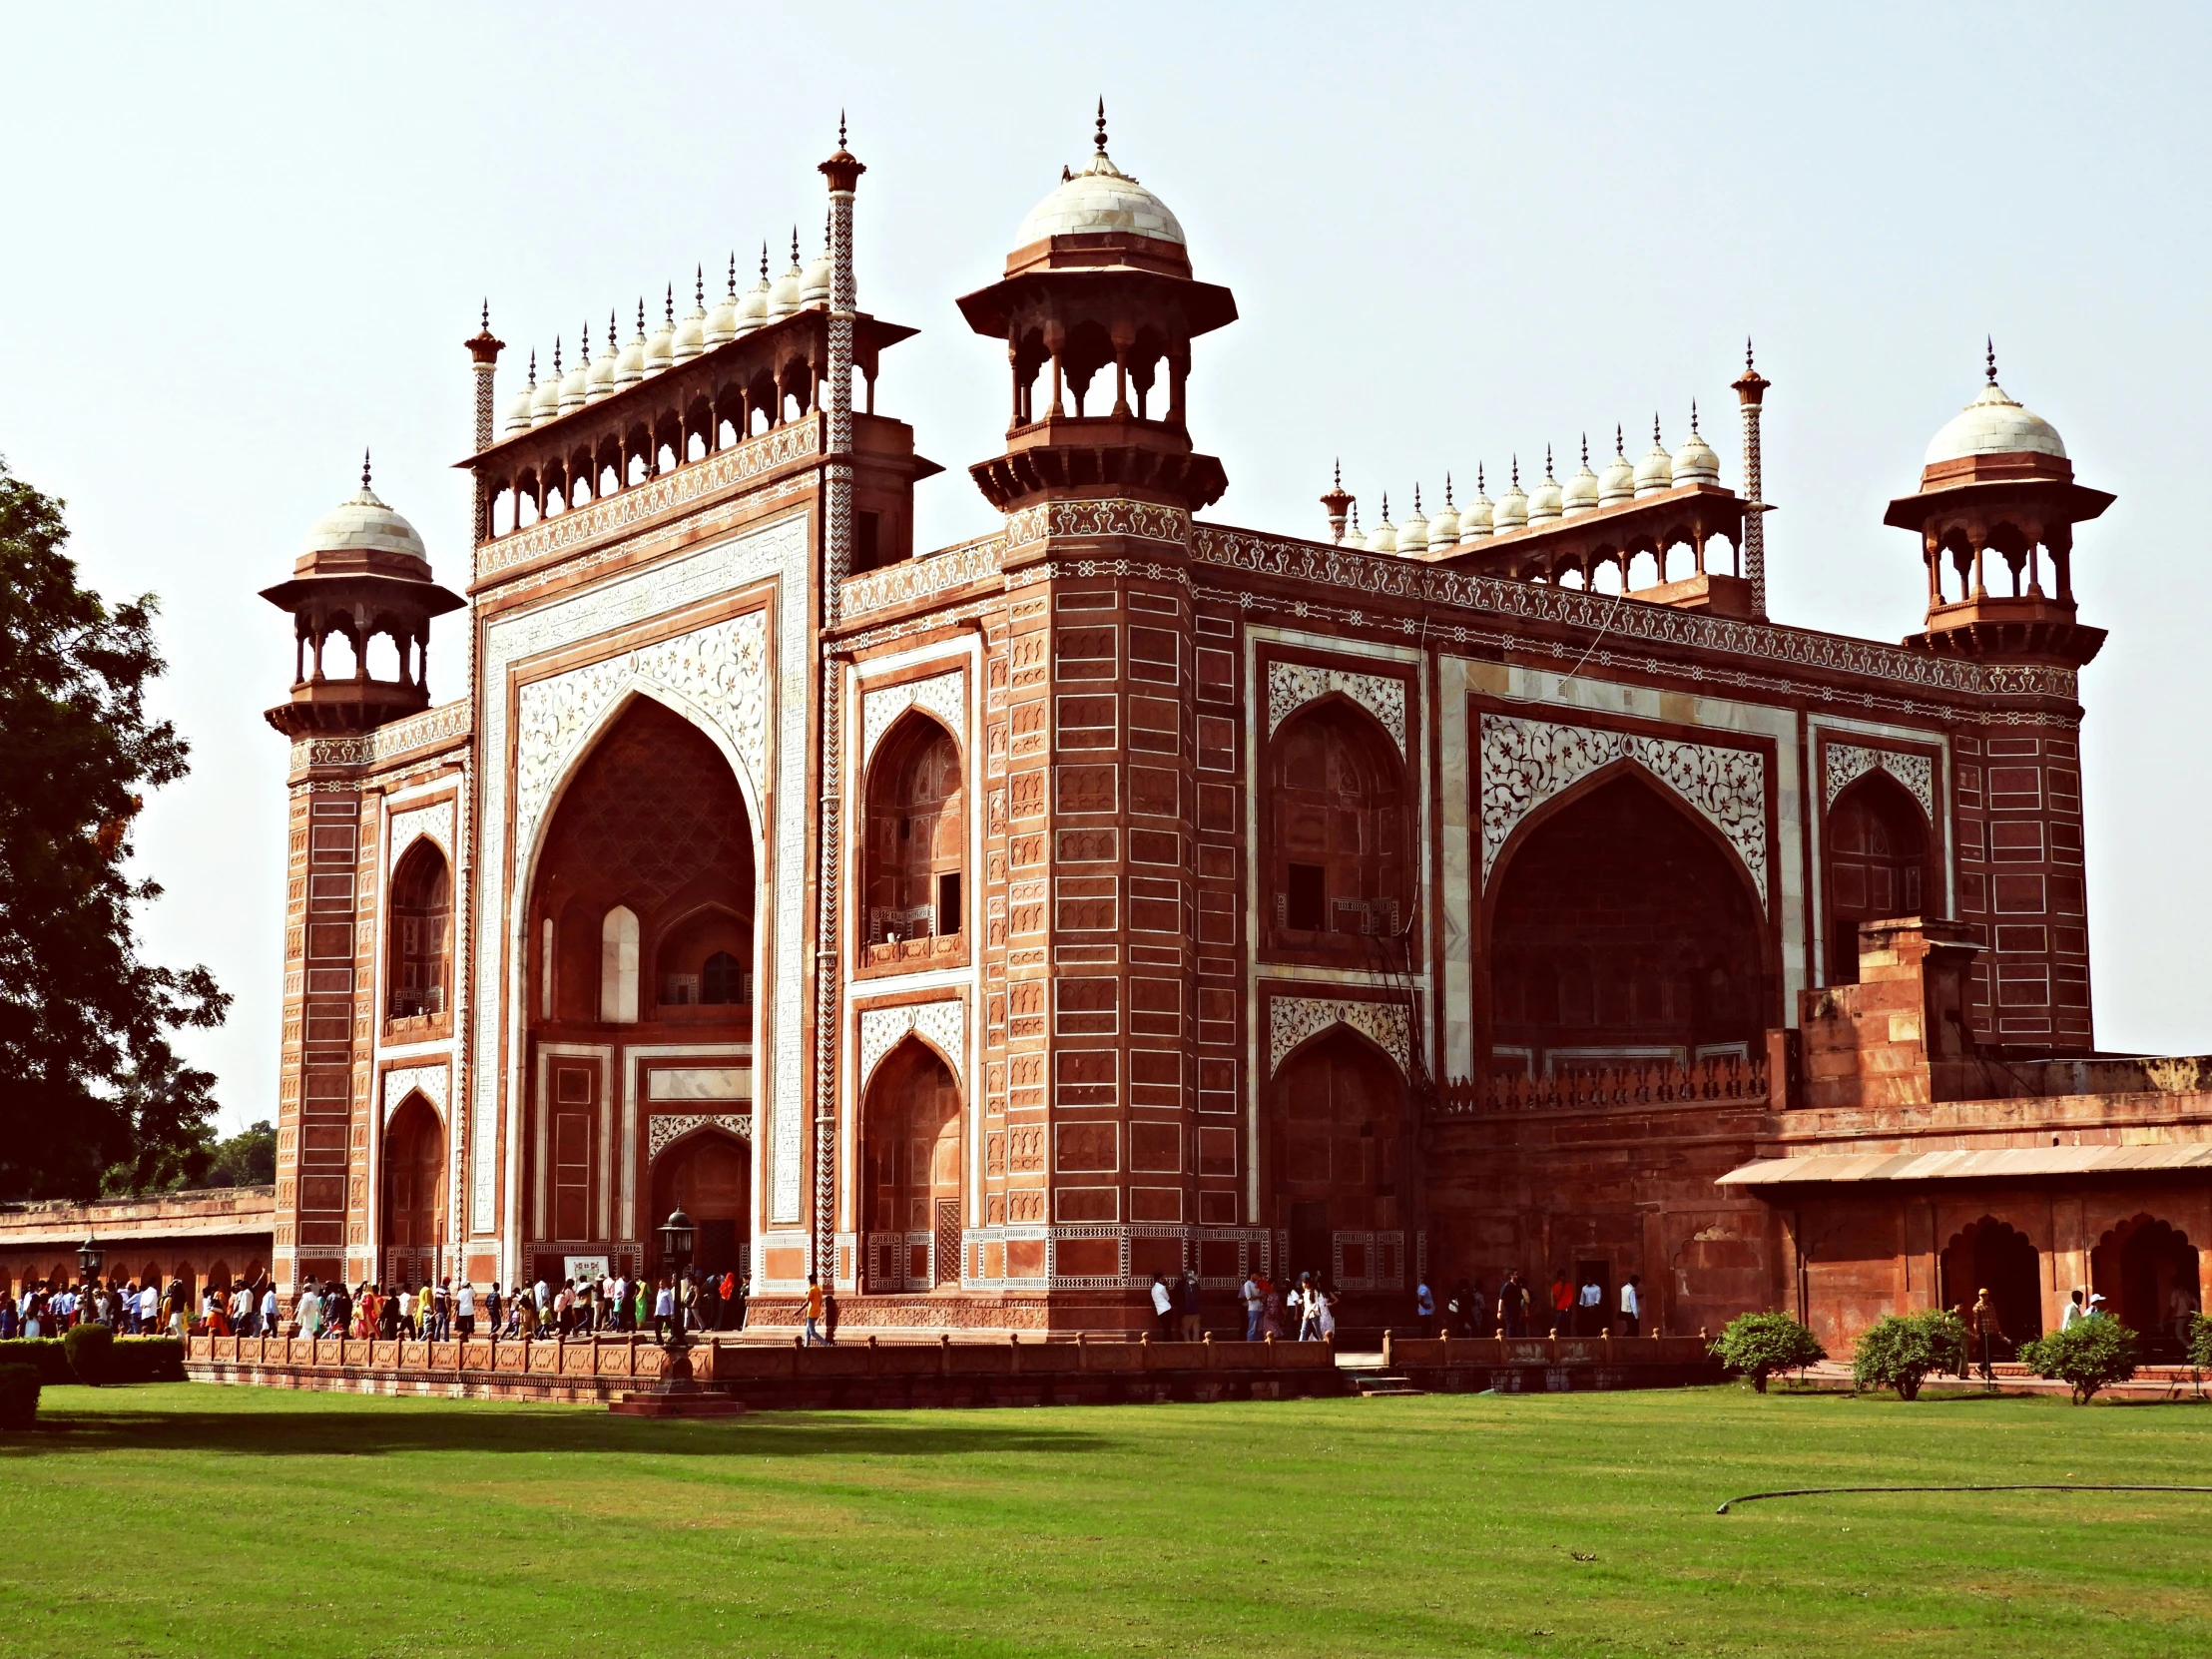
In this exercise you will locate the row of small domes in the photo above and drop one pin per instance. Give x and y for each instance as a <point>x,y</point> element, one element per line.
<point>677,340</point>
<point>1622,480</point>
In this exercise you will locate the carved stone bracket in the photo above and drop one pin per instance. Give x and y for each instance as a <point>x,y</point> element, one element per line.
<point>943,1024</point>
<point>1292,1019</point>
<point>664,1128</point>
<point>943,694</point>
<point>1848,762</point>
<point>1291,686</point>
<point>1527,762</point>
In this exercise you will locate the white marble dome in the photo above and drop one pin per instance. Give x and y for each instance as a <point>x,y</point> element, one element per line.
<point>364,524</point>
<point>518,411</point>
<point>1512,507</point>
<point>1619,481</point>
<point>1444,529</point>
<point>691,334</point>
<point>576,384</point>
<point>1480,518</point>
<point>602,380</point>
<point>630,362</point>
<point>1695,462</point>
<point>1545,501</point>
<point>784,293</point>
<point>1099,199</point>
<point>1655,472</point>
<point>545,402</point>
<point>753,308</point>
<point>1993,425</point>
<point>813,283</point>
<point>1580,494</point>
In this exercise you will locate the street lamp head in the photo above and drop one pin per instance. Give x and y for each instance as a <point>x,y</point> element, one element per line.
<point>90,1256</point>
<point>676,1240</point>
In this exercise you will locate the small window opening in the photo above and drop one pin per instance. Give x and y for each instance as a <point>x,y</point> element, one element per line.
<point>1307,898</point>
<point>949,903</point>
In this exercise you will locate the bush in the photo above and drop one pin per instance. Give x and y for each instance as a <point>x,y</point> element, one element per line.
<point>1900,1351</point>
<point>19,1386</point>
<point>90,1350</point>
<point>131,1359</point>
<point>1757,1344</point>
<point>2200,1341</point>
<point>2088,1355</point>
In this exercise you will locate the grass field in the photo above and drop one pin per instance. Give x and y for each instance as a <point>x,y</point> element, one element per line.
<point>232,1523</point>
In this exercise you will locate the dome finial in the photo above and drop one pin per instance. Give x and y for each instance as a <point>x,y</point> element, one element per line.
<point>1547,461</point>
<point>670,303</point>
<point>533,365</point>
<point>763,259</point>
<point>733,274</point>
<point>1586,451</point>
<point>1655,428</point>
<point>1991,344</point>
<point>555,356</point>
<point>610,329</point>
<point>1747,354</point>
<point>1337,474</point>
<point>364,466</point>
<point>583,342</point>
<point>1479,485</point>
<point>699,285</point>
<point>1448,489</point>
<point>1693,417</point>
<point>840,128</point>
<point>1416,500</point>
<point>1619,449</point>
<point>1385,506</point>
<point>641,316</point>
<point>795,244</point>
<point>1102,125</point>
<point>1516,469</point>
<point>487,314</point>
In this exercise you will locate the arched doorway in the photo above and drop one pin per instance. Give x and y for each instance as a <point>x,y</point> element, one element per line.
<point>421,932</point>
<point>1339,1185</point>
<point>2146,1270</point>
<point>1990,1255</point>
<point>641,932</point>
<point>1621,930</point>
<point>1877,858</point>
<point>709,1176</point>
<point>911,1172</point>
<point>414,1192</point>
<point>916,839</point>
<point>1338,865</point>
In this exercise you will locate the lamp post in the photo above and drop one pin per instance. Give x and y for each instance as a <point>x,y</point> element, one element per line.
<point>88,1258</point>
<point>676,1250</point>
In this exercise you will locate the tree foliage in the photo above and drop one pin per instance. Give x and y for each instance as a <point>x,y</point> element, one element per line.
<point>1901,1351</point>
<point>1759,1345</point>
<point>246,1159</point>
<point>94,1094</point>
<point>2086,1355</point>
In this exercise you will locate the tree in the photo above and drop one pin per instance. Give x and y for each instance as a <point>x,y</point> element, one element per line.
<point>1757,1344</point>
<point>2200,1341</point>
<point>1900,1351</point>
<point>2086,1355</point>
<point>92,1085</point>
<point>246,1159</point>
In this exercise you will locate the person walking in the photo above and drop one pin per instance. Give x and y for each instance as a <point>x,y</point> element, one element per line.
<point>813,1311</point>
<point>1589,1308</point>
<point>1562,1304</point>
<point>2074,1312</point>
<point>465,1310</point>
<point>1255,1302</point>
<point>1512,1304</point>
<point>1632,1307</point>
<point>1424,1308</point>
<point>1984,1323</point>
<point>1189,1310</point>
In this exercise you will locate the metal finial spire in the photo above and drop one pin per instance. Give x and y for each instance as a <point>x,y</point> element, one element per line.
<point>1336,479</point>
<point>533,365</point>
<point>1416,500</point>
<point>1385,506</point>
<point>1355,518</point>
<point>840,128</point>
<point>555,356</point>
<point>610,331</point>
<point>795,244</point>
<point>763,259</point>
<point>583,342</point>
<point>1586,451</point>
<point>487,314</point>
<point>641,316</point>
<point>1990,343</point>
<point>1619,449</point>
<point>364,466</point>
<point>1656,444</point>
<point>1747,354</point>
<point>1479,484</point>
<point>698,285</point>
<point>1547,461</point>
<point>1102,128</point>
<point>733,274</point>
<point>1448,489</point>
<point>671,303</point>
<point>1516,469</point>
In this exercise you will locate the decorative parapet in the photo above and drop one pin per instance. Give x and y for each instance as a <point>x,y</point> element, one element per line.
<point>431,729</point>
<point>923,577</point>
<point>1417,582</point>
<point>1137,520</point>
<point>1633,1083</point>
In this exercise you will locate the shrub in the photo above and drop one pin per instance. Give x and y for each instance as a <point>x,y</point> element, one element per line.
<point>2086,1355</point>
<point>1757,1344</point>
<point>1900,1350</point>
<point>19,1386</point>
<point>90,1350</point>
<point>2200,1341</point>
<point>131,1359</point>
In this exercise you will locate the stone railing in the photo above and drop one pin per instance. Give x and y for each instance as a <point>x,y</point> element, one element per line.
<point>925,576</point>
<point>1631,1083</point>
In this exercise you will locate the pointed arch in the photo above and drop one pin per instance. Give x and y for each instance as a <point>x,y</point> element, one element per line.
<point>914,855</point>
<point>1874,864</point>
<point>912,1170</point>
<point>1339,851</point>
<point>1334,1157</point>
<point>419,924</point>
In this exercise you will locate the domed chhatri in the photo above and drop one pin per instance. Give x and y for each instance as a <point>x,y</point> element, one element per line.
<point>1100,199</point>
<point>363,524</point>
<point>1993,425</point>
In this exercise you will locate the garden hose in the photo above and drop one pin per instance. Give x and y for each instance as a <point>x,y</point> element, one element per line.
<point>1822,1491</point>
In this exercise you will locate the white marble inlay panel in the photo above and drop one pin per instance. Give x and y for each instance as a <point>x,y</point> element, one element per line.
<point>1291,686</point>
<point>401,1081</point>
<point>1527,762</point>
<point>664,1126</point>
<point>942,1023</point>
<point>700,1083</point>
<point>1292,1019</point>
<point>435,820</point>
<point>943,694</point>
<point>1848,762</point>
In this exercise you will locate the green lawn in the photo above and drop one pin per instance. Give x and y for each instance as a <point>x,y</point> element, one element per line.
<point>183,1519</point>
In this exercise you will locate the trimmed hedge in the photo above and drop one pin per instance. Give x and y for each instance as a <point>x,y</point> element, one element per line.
<point>91,1352</point>
<point>132,1359</point>
<point>19,1386</point>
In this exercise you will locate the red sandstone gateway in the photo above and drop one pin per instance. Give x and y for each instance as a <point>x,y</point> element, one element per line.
<point>1119,893</point>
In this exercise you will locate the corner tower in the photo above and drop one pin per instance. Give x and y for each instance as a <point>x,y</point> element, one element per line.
<point>1995,513</point>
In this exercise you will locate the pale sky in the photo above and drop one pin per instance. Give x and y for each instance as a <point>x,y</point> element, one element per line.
<point>242,244</point>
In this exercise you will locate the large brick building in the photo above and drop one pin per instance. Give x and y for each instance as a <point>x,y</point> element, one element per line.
<point>1121,891</point>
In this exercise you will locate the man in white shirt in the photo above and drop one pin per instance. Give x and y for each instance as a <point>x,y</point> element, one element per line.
<point>1632,1307</point>
<point>150,1306</point>
<point>1163,1306</point>
<point>1589,1309</point>
<point>268,1311</point>
<point>2076,1312</point>
<point>1256,1303</point>
<point>464,1308</point>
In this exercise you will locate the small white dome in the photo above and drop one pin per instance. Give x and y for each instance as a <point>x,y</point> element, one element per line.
<point>1655,472</point>
<point>1480,518</point>
<point>813,284</point>
<point>518,407</point>
<point>602,381</point>
<point>1619,481</point>
<point>784,293</point>
<point>660,345</point>
<point>1100,199</point>
<point>576,384</point>
<point>1384,537</point>
<point>1444,529</point>
<point>691,334</point>
<point>1545,500</point>
<point>545,402</point>
<point>363,523</point>
<point>630,363</point>
<point>721,316</point>
<point>1412,535</point>
<point>753,308</point>
<point>1512,506</point>
<point>1581,491</point>
<point>1695,462</point>
<point>1993,424</point>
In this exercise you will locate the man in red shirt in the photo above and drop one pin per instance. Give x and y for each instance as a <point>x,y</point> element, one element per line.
<point>1562,1304</point>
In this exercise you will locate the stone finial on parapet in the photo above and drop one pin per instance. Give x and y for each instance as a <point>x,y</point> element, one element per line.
<point>1899,1036</point>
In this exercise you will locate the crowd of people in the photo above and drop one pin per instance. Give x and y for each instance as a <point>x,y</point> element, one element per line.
<point>1305,1311</point>
<point>129,1308</point>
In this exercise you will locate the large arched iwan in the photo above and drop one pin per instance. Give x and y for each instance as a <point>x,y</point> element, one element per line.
<point>1335,1163</point>
<point>1619,926</point>
<point>1875,859</point>
<point>412,1212</point>
<point>910,1168</point>
<point>708,1174</point>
